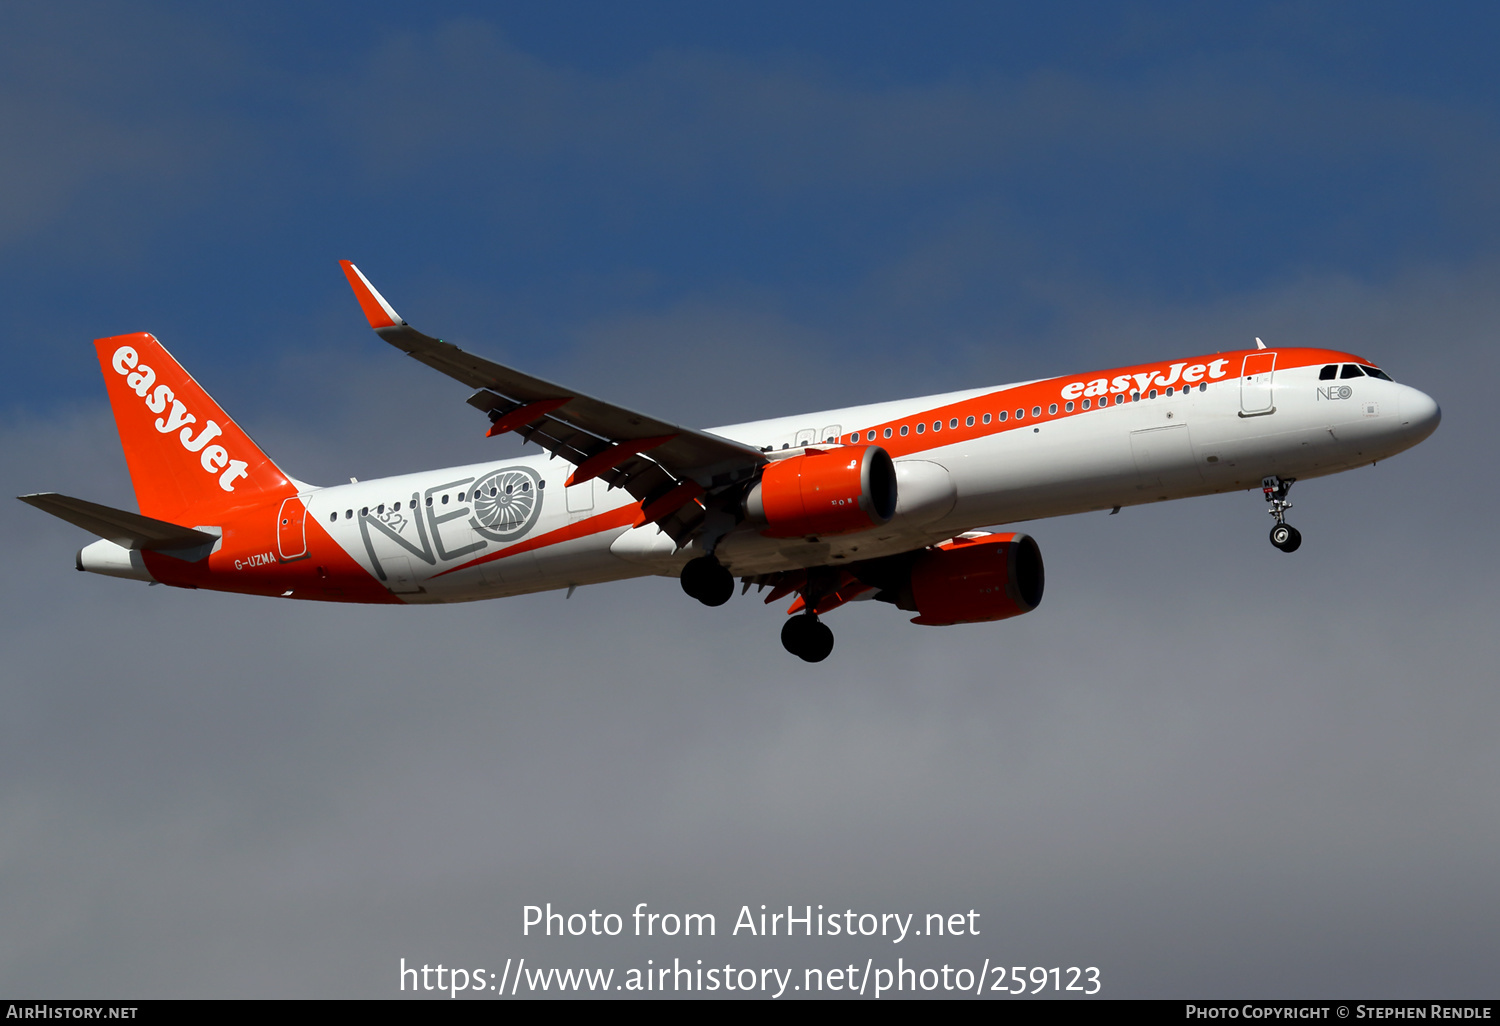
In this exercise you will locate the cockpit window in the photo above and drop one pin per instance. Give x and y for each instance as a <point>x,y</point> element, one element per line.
<point>1329,373</point>
<point>1352,370</point>
<point>1376,372</point>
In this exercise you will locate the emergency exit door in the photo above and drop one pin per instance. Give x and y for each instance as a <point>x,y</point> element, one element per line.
<point>291,529</point>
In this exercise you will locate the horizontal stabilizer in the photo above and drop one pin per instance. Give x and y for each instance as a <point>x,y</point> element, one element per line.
<point>129,530</point>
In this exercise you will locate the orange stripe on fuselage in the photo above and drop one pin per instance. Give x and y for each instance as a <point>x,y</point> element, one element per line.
<point>622,517</point>
<point>247,560</point>
<point>1044,393</point>
<point>248,563</point>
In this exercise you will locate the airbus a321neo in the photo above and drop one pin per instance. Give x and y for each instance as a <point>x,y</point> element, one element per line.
<point>876,502</point>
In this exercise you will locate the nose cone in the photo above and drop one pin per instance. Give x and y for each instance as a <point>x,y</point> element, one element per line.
<point>1419,415</point>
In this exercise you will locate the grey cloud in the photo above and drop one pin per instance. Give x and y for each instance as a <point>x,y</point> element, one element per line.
<point>1206,767</point>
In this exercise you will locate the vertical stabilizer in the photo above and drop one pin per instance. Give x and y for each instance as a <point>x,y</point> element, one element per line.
<point>189,462</point>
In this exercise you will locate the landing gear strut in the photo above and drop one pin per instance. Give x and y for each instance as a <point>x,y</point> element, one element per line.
<point>1284,536</point>
<point>807,637</point>
<point>706,580</point>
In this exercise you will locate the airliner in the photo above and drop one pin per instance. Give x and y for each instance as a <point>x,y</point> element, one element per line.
<point>890,502</point>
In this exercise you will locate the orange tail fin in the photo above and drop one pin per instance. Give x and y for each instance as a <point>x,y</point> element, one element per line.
<point>189,462</point>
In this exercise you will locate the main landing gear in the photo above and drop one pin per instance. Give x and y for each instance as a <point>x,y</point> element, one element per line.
<point>803,635</point>
<point>807,637</point>
<point>706,580</point>
<point>1284,536</point>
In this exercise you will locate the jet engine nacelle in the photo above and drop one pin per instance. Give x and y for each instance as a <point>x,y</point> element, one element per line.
<point>830,491</point>
<point>973,580</point>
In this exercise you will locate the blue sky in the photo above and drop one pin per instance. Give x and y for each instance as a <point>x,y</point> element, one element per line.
<point>886,176</point>
<point>1213,769</point>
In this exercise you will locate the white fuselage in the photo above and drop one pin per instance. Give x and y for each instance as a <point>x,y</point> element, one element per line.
<point>418,533</point>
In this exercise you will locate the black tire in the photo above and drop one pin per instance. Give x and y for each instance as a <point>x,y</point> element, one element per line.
<point>706,580</point>
<point>818,644</point>
<point>1286,537</point>
<point>807,638</point>
<point>794,634</point>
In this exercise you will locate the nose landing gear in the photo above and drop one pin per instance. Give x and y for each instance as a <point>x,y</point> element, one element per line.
<point>1284,536</point>
<point>807,637</point>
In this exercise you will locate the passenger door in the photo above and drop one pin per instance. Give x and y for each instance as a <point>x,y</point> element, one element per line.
<point>1255,384</point>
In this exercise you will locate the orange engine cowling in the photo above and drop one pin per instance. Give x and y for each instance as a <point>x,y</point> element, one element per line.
<point>831,491</point>
<point>973,580</point>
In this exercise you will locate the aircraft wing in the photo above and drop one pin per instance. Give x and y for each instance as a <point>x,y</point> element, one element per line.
<point>666,466</point>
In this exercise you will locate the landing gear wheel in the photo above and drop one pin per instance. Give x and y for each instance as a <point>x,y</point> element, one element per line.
<point>807,638</point>
<point>706,580</point>
<point>1286,537</point>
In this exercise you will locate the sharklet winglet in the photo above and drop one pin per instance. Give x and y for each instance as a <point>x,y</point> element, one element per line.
<point>377,311</point>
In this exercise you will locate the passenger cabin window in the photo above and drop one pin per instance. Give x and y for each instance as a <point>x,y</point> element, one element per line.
<point>1002,416</point>
<point>1052,408</point>
<point>1351,370</point>
<point>1329,373</point>
<point>903,430</point>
